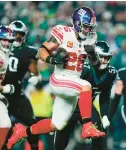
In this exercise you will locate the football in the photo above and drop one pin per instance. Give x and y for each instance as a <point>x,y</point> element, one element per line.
<point>61,54</point>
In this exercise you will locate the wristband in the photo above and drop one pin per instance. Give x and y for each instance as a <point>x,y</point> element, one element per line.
<point>49,59</point>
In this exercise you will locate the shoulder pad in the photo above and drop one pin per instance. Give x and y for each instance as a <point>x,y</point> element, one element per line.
<point>57,32</point>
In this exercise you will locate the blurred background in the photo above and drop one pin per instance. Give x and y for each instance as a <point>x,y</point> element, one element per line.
<point>39,18</point>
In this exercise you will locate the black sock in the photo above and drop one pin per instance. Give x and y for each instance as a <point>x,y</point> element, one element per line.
<point>28,131</point>
<point>86,120</point>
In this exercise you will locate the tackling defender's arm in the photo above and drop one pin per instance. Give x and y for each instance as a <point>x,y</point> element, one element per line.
<point>92,56</point>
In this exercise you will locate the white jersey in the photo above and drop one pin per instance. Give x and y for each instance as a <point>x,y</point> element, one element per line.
<point>5,121</point>
<point>67,39</point>
<point>3,64</point>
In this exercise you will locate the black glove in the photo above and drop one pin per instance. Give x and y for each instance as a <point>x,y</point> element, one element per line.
<point>92,55</point>
<point>89,48</point>
<point>60,57</point>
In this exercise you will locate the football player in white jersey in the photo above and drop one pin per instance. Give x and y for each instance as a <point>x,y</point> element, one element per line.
<point>6,38</point>
<point>77,42</point>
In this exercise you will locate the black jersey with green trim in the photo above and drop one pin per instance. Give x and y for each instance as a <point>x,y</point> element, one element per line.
<point>101,80</point>
<point>19,61</point>
<point>122,76</point>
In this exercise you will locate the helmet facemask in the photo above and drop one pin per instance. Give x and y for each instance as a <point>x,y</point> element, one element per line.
<point>84,21</point>
<point>83,29</point>
<point>19,39</point>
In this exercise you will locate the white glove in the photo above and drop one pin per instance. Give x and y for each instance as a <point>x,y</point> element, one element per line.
<point>34,80</point>
<point>105,122</point>
<point>9,88</point>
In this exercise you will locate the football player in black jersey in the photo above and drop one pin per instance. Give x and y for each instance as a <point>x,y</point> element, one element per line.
<point>120,90</point>
<point>101,80</point>
<point>22,59</point>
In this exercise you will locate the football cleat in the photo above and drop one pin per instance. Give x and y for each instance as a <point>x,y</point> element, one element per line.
<point>19,132</point>
<point>89,131</point>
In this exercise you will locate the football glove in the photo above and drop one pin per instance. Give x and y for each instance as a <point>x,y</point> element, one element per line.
<point>105,122</point>
<point>34,80</point>
<point>8,89</point>
<point>89,44</point>
<point>60,57</point>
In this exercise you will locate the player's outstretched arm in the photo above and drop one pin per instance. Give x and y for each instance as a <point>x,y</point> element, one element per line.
<point>89,47</point>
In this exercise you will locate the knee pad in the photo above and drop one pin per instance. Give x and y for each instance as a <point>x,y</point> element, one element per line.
<point>5,121</point>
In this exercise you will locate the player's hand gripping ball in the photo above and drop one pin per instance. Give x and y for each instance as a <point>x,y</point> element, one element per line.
<point>60,55</point>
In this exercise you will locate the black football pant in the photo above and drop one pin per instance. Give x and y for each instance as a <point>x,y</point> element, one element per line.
<point>21,109</point>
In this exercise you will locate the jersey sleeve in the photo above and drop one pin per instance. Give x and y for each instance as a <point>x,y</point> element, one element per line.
<point>121,73</point>
<point>112,73</point>
<point>33,52</point>
<point>58,33</point>
<point>85,71</point>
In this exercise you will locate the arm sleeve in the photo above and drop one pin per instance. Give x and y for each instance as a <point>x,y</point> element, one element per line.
<point>113,106</point>
<point>33,53</point>
<point>85,71</point>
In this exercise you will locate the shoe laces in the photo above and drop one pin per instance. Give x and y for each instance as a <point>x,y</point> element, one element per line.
<point>94,126</point>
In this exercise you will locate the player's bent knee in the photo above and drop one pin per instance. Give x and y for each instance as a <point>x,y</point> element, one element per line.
<point>59,125</point>
<point>5,122</point>
<point>87,88</point>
